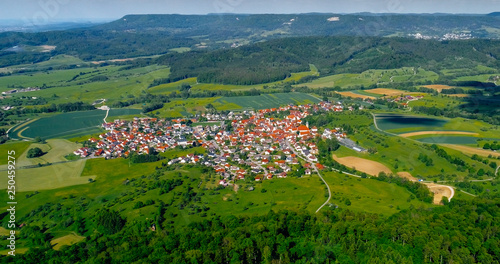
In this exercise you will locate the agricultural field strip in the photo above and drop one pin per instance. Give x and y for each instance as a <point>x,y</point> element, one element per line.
<point>418,133</point>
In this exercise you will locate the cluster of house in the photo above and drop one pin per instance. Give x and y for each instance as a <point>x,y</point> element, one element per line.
<point>404,100</point>
<point>254,143</point>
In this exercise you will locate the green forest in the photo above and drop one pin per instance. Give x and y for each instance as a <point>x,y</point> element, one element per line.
<point>460,232</point>
<point>276,59</point>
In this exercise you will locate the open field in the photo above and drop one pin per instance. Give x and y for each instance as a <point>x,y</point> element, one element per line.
<point>369,195</point>
<point>18,251</point>
<point>49,177</point>
<point>391,122</point>
<point>113,83</point>
<point>411,134</point>
<point>196,86</point>
<point>183,108</point>
<point>387,92</point>
<point>364,165</point>
<point>440,191</point>
<point>473,150</point>
<point>268,100</point>
<point>407,175</point>
<point>68,125</point>
<point>438,87</point>
<point>355,95</point>
<point>55,150</point>
<point>66,241</point>
<point>373,76</point>
<point>459,95</point>
<point>455,124</point>
<point>18,147</point>
<point>308,193</point>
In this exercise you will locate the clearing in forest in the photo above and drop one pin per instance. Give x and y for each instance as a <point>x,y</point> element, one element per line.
<point>66,241</point>
<point>440,191</point>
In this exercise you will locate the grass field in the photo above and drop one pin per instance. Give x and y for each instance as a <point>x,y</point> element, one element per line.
<point>268,100</point>
<point>66,240</point>
<point>55,150</point>
<point>49,177</point>
<point>67,125</point>
<point>18,147</point>
<point>78,84</point>
<point>354,94</point>
<point>392,122</point>
<point>456,140</point>
<point>373,77</point>
<point>474,150</point>
<point>196,86</point>
<point>369,195</point>
<point>183,108</point>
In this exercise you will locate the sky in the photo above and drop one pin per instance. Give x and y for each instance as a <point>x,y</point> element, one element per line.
<point>49,11</point>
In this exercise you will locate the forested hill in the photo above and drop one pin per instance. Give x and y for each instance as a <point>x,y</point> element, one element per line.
<point>261,26</point>
<point>461,232</point>
<point>144,35</point>
<point>276,59</point>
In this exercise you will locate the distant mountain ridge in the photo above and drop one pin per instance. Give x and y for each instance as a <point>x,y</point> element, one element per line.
<point>318,24</point>
<point>145,35</point>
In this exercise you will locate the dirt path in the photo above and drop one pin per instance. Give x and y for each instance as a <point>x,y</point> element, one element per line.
<point>411,134</point>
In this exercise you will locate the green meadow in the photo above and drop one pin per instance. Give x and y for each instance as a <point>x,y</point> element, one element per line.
<point>369,195</point>
<point>18,147</point>
<point>68,125</point>
<point>265,101</point>
<point>393,122</point>
<point>113,83</point>
<point>49,177</point>
<point>370,77</point>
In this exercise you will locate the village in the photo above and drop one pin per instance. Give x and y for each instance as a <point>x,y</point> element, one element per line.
<point>252,144</point>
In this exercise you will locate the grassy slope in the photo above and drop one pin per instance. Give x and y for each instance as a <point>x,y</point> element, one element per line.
<point>17,147</point>
<point>369,195</point>
<point>372,77</point>
<point>119,84</point>
<point>308,194</point>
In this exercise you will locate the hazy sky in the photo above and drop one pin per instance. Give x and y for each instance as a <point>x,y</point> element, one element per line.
<point>44,11</point>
